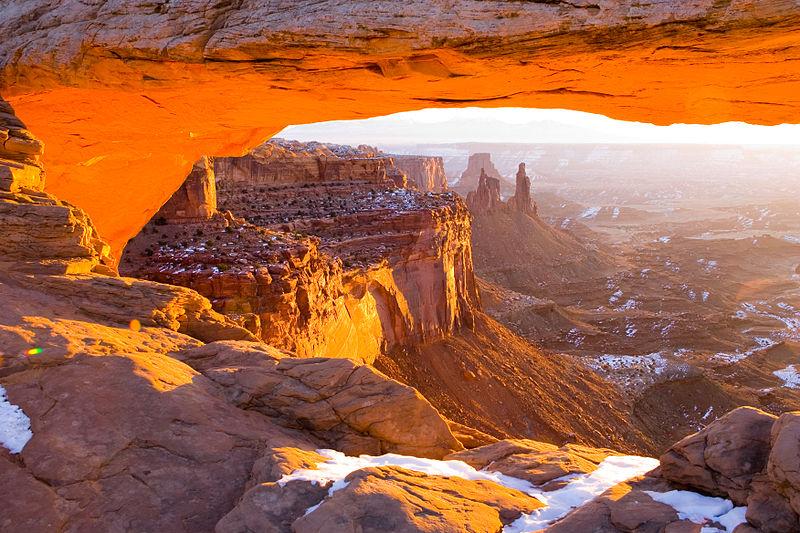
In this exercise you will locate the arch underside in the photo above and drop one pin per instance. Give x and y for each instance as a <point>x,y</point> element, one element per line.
<point>125,102</point>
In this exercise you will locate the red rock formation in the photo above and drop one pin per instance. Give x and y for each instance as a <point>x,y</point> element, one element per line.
<point>116,93</point>
<point>40,233</point>
<point>426,173</point>
<point>20,154</point>
<point>279,162</point>
<point>522,201</point>
<point>486,197</point>
<point>480,163</point>
<point>748,456</point>
<point>388,266</point>
<point>196,199</point>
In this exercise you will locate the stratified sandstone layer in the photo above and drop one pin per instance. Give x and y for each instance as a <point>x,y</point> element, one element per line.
<point>385,266</point>
<point>128,96</point>
<point>425,172</point>
<point>196,200</point>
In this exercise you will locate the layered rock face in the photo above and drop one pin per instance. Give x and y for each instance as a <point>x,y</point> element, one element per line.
<point>385,266</point>
<point>196,200</point>
<point>20,154</point>
<point>426,173</point>
<point>39,232</point>
<point>280,162</point>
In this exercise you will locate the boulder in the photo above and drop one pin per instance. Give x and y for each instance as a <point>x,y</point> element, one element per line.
<point>377,500</point>
<point>271,507</point>
<point>722,458</point>
<point>354,408</point>
<point>626,508</point>
<point>43,234</point>
<point>783,467</point>
<point>767,510</point>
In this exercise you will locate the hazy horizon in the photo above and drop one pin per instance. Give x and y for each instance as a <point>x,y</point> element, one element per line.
<point>531,126</point>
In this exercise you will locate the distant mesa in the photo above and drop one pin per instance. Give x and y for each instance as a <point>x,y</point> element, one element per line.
<point>280,161</point>
<point>470,178</point>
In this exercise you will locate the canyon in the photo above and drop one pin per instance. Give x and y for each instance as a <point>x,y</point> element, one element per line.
<point>330,256</point>
<point>205,331</point>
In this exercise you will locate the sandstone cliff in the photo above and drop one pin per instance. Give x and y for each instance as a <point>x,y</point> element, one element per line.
<point>385,266</point>
<point>280,162</point>
<point>426,173</point>
<point>196,200</point>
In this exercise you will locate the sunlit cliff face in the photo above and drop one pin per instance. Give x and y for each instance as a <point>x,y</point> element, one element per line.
<point>126,108</point>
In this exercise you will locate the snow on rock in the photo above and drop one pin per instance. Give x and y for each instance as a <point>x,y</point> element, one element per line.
<point>580,490</point>
<point>653,362</point>
<point>340,466</point>
<point>702,509</point>
<point>15,426</point>
<point>763,343</point>
<point>789,376</point>
<point>591,212</point>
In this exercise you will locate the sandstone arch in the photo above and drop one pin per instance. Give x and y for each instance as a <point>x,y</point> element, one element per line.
<point>127,96</point>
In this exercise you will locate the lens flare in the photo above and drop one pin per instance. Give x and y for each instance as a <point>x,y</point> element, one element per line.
<point>135,325</point>
<point>34,351</point>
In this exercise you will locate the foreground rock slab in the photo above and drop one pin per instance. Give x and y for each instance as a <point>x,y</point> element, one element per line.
<point>395,499</point>
<point>354,408</point>
<point>134,443</point>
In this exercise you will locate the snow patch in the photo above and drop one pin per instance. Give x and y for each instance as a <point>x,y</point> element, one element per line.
<point>702,509</point>
<point>15,426</point>
<point>339,466</point>
<point>591,212</point>
<point>789,376</point>
<point>654,362</point>
<point>582,489</point>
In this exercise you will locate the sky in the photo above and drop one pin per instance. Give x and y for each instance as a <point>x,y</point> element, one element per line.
<point>524,125</point>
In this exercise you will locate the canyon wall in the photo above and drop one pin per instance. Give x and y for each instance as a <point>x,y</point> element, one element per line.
<point>127,97</point>
<point>334,264</point>
<point>281,162</point>
<point>427,173</point>
<point>196,199</point>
